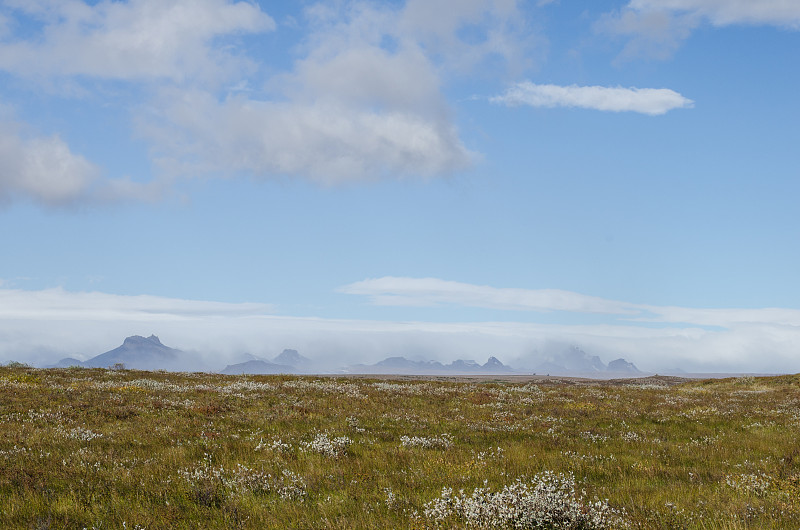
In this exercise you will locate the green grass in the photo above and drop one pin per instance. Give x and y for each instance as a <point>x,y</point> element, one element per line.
<point>104,449</point>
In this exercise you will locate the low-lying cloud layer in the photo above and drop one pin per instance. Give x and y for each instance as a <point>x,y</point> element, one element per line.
<point>44,326</point>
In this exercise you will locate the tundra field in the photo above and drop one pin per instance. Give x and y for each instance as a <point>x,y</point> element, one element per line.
<point>94,448</point>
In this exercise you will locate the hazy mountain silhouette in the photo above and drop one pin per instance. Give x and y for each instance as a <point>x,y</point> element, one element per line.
<point>141,353</point>
<point>68,362</point>
<point>401,365</point>
<point>258,366</point>
<point>287,362</point>
<point>573,361</point>
<point>621,366</point>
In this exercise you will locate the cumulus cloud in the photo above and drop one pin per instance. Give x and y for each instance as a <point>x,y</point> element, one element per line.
<point>652,101</point>
<point>351,108</point>
<point>44,169</point>
<point>656,28</point>
<point>362,99</point>
<point>138,39</point>
<point>41,168</point>
<point>328,142</point>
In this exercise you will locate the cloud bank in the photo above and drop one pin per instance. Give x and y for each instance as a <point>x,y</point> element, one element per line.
<point>397,291</point>
<point>44,326</point>
<point>652,101</point>
<point>428,292</point>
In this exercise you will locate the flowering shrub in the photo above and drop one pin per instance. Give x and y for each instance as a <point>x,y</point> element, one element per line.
<point>547,501</point>
<point>80,433</point>
<point>443,441</point>
<point>211,484</point>
<point>332,447</point>
<point>757,484</point>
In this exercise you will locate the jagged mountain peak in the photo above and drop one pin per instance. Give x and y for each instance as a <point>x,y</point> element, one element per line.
<point>493,362</point>
<point>621,365</point>
<point>146,353</point>
<point>291,358</point>
<point>138,340</point>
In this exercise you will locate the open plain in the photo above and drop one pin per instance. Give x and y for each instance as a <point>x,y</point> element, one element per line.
<point>96,448</point>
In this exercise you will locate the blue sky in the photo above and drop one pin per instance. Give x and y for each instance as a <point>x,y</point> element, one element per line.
<point>420,178</point>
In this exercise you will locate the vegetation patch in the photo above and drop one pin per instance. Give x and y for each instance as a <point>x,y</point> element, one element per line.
<point>94,448</point>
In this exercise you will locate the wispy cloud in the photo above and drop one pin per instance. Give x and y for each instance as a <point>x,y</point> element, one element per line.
<point>652,101</point>
<point>140,39</point>
<point>656,28</point>
<point>427,292</point>
<point>782,13</point>
<point>59,304</point>
<point>432,291</point>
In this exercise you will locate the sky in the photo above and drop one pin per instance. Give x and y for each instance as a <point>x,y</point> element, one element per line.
<point>424,178</point>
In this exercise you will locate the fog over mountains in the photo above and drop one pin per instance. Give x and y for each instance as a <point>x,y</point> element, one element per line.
<point>148,353</point>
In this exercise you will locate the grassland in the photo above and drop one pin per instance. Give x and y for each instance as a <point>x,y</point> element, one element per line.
<point>105,449</point>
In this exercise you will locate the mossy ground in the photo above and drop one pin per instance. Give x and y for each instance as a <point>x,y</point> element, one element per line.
<point>95,448</point>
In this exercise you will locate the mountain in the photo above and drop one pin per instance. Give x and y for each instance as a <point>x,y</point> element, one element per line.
<point>69,362</point>
<point>573,361</point>
<point>621,366</point>
<point>286,362</point>
<point>294,360</point>
<point>258,366</point>
<point>403,366</point>
<point>144,353</point>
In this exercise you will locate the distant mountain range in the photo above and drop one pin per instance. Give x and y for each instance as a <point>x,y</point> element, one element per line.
<point>148,353</point>
<point>574,361</point>
<point>287,362</point>
<point>401,365</point>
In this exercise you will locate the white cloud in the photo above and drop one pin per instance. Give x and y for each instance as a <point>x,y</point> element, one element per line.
<point>44,169</point>
<point>471,32</point>
<point>44,326</point>
<point>723,317</point>
<point>138,39</point>
<point>363,100</point>
<point>41,168</point>
<point>653,34</point>
<point>656,28</point>
<point>724,340</point>
<point>782,13</point>
<point>422,292</point>
<point>58,304</point>
<point>351,108</point>
<point>328,142</point>
<point>432,291</point>
<point>652,101</point>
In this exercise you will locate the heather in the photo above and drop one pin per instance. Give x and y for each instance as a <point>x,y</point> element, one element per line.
<point>96,448</point>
